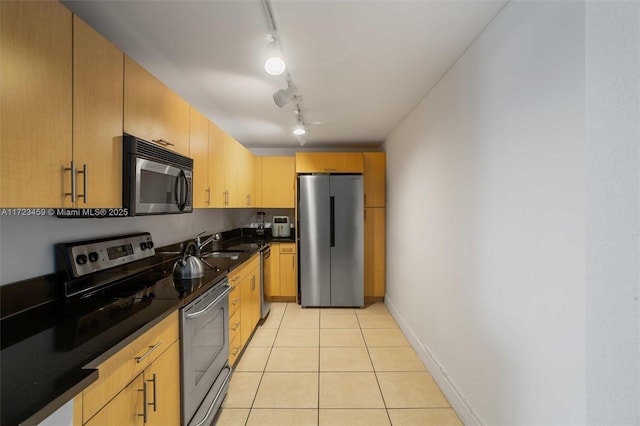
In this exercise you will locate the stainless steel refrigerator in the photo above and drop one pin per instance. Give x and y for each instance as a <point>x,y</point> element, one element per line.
<point>331,247</point>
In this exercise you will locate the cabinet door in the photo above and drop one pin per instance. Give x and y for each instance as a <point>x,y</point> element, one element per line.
<point>216,166</point>
<point>125,409</point>
<point>245,310</point>
<point>35,104</point>
<point>329,162</point>
<point>97,116</point>
<point>374,179</point>
<point>245,172</point>
<point>288,275</point>
<point>257,165</point>
<point>255,297</point>
<point>163,388</point>
<point>374,252</point>
<point>231,155</point>
<point>278,182</point>
<point>272,272</point>
<point>199,151</point>
<point>152,111</point>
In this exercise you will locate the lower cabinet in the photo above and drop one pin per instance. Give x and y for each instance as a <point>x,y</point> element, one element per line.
<point>374,253</point>
<point>282,276</point>
<point>244,305</point>
<point>139,385</point>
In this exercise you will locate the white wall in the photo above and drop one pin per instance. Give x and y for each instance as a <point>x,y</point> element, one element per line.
<point>26,243</point>
<point>488,275</point>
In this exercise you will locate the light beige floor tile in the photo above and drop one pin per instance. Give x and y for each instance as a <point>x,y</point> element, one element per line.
<point>283,417</point>
<point>264,337</point>
<point>341,337</point>
<point>231,417</point>
<point>377,321</point>
<point>340,311</point>
<point>287,390</point>
<point>349,390</point>
<point>338,321</point>
<point>292,306</point>
<point>242,389</point>
<point>302,319</point>
<point>345,359</point>
<point>375,308</point>
<point>411,390</point>
<point>384,337</point>
<point>354,417</point>
<point>273,320</point>
<point>253,359</point>
<point>293,359</point>
<point>424,416</point>
<point>298,337</point>
<point>395,359</point>
<point>278,307</point>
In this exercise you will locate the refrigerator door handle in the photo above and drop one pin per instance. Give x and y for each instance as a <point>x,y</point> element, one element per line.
<point>332,223</point>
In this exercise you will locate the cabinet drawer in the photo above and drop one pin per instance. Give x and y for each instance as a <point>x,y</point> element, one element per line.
<point>234,350</point>
<point>237,274</point>
<point>123,367</point>
<point>234,325</point>
<point>287,248</point>
<point>234,300</point>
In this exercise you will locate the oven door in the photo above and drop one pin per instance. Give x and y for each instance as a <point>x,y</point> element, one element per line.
<point>161,188</point>
<point>205,353</point>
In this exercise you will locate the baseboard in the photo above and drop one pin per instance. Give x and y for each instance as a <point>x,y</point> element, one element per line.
<point>457,400</point>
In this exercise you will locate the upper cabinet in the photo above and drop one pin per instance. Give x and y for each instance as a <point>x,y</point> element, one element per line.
<point>218,194</point>
<point>154,112</point>
<point>245,177</point>
<point>374,179</point>
<point>97,117</point>
<point>199,151</point>
<point>329,162</point>
<point>278,182</point>
<point>35,104</point>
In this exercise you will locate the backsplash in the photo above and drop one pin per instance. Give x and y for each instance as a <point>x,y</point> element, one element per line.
<point>26,243</point>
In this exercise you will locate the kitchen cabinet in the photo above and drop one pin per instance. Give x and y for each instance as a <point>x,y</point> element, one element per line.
<point>245,177</point>
<point>118,393</point>
<point>244,304</point>
<point>250,306</point>
<point>152,111</point>
<point>278,182</point>
<point>35,104</point>
<point>374,178</point>
<point>257,164</point>
<point>217,190</point>
<point>97,117</point>
<point>329,162</point>
<point>374,253</point>
<point>283,274</point>
<point>199,151</point>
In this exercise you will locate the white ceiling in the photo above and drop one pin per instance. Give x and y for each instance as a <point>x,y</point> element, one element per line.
<point>360,66</point>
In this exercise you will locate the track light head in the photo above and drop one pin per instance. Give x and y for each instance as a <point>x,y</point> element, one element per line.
<point>284,96</point>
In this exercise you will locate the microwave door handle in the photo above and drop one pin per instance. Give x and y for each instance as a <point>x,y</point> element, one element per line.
<point>186,191</point>
<point>178,190</point>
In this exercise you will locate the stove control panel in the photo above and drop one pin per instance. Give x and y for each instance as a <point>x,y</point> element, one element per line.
<point>88,256</point>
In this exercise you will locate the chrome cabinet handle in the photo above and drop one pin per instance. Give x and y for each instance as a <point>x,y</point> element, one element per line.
<point>162,142</point>
<point>237,349</point>
<point>236,327</point>
<point>253,283</point>
<point>139,359</point>
<point>72,169</point>
<point>208,200</point>
<point>155,395</point>
<point>235,301</point>
<point>144,414</point>
<point>83,172</point>
<point>227,290</point>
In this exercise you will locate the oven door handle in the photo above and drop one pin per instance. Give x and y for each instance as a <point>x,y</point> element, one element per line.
<point>215,398</point>
<point>227,290</point>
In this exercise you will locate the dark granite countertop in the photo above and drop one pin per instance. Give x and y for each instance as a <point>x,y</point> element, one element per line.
<point>42,368</point>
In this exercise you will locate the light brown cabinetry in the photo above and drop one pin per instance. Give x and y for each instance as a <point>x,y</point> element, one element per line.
<point>199,151</point>
<point>35,103</point>
<point>374,252</point>
<point>152,111</point>
<point>374,179</point>
<point>278,182</point>
<point>97,117</point>
<point>244,305</point>
<point>282,276</point>
<point>218,192</point>
<point>152,361</point>
<point>329,162</point>
<point>245,177</point>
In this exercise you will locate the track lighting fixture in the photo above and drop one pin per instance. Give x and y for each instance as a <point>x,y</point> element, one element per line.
<point>274,65</point>
<point>284,96</point>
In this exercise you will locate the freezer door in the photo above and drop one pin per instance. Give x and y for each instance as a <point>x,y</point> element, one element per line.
<point>314,252</point>
<point>347,245</point>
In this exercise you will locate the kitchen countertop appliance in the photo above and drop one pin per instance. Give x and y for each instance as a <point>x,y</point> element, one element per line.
<point>331,246</point>
<point>281,227</point>
<point>120,280</point>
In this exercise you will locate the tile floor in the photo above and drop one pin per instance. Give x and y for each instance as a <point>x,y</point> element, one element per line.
<point>332,366</point>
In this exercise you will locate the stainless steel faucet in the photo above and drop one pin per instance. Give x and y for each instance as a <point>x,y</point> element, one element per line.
<point>213,237</point>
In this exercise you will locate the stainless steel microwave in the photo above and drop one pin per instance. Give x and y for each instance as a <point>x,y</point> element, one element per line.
<point>155,180</point>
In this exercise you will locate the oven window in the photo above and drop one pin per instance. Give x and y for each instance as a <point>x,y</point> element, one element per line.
<point>156,188</point>
<point>208,340</point>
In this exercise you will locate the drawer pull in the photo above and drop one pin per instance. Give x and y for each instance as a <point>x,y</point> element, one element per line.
<point>163,142</point>
<point>287,250</point>
<point>236,326</point>
<point>139,359</point>
<point>237,349</point>
<point>235,301</point>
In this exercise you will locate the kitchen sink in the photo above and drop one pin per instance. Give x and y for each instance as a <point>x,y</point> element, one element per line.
<point>223,253</point>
